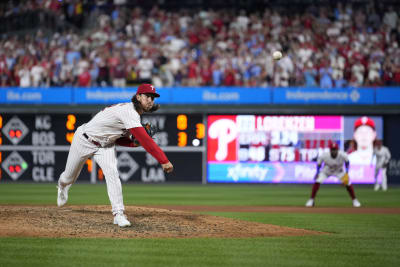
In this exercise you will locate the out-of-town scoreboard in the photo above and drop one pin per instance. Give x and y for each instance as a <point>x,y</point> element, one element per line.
<point>35,147</point>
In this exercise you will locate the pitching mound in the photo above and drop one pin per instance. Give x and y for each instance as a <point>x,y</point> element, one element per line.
<point>97,221</point>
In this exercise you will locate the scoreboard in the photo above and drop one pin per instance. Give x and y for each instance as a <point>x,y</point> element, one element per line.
<point>203,148</point>
<point>35,147</point>
<point>179,130</point>
<point>281,149</point>
<point>40,129</point>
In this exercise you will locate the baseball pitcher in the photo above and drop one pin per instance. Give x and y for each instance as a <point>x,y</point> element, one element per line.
<point>118,124</point>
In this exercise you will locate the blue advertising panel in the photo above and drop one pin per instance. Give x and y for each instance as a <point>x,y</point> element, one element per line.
<point>15,95</point>
<point>220,95</point>
<point>112,95</point>
<point>388,95</point>
<point>323,96</point>
<point>203,95</point>
<point>280,172</point>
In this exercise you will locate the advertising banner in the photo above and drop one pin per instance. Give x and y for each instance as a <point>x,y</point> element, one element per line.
<point>323,96</point>
<point>280,172</point>
<point>14,95</point>
<point>221,95</point>
<point>388,95</point>
<point>112,95</point>
<point>203,95</point>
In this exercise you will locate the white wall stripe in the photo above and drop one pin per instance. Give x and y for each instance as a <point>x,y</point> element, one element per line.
<point>119,148</point>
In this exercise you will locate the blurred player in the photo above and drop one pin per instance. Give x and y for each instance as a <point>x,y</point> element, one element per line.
<point>383,156</point>
<point>333,166</point>
<point>113,125</point>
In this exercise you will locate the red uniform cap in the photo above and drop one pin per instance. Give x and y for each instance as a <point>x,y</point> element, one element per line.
<point>147,88</point>
<point>364,121</point>
<point>333,145</point>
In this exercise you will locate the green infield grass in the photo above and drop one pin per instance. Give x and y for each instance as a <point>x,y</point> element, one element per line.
<point>353,240</point>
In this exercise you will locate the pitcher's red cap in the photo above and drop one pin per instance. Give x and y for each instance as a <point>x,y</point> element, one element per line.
<point>364,121</point>
<point>147,88</point>
<point>333,145</point>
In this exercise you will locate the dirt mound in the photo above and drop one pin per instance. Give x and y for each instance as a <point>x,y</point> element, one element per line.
<point>96,221</point>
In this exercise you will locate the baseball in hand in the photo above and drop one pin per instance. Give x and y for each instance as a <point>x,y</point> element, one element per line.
<point>277,55</point>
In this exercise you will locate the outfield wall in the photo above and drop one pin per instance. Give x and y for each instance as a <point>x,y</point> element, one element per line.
<point>37,126</point>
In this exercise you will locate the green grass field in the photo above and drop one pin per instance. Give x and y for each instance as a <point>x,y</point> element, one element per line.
<point>354,239</point>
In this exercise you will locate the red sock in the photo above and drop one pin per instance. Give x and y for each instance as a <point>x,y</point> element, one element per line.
<point>315,190</point>
<point>350,189</point>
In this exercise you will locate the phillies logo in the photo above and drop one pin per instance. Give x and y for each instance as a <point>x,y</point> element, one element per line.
<point>222,134</point>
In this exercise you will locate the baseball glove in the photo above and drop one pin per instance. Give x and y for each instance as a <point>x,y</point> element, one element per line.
<point>345,179</point>
<point>385,165</point>
<point>151,130</point>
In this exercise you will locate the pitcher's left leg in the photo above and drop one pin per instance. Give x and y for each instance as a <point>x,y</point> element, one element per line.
<point>106,158</point>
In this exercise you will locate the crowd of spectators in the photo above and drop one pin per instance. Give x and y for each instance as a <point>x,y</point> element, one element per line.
<point>328,47</point>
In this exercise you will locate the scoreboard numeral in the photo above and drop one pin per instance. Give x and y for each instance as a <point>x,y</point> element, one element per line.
<point>182,139</point>
<point>181,122</point>
<point>200,130</point>
<point>69,136</point>
<point>89,165</point>
<point>100,174</point>
<point>71,120</point>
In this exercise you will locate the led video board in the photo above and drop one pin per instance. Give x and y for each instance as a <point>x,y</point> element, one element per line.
<point>284,149</point>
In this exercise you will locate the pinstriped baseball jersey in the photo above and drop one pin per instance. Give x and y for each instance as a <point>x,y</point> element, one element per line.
<point>112,122</point>
<point>97,139</point>
<point>105,127</point>
<point>333,165</point>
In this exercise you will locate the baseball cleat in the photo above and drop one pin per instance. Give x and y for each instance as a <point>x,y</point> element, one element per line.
<point>62,195</point>
<point>356,203</point>
<point>376,187</point>
<point>310,203</point>
<point>121,220</point>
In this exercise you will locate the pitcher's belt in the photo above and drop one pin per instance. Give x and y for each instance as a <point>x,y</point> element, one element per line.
<point>91,140</point>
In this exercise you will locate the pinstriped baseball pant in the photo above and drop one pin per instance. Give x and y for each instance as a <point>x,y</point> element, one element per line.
<point>81,149</point>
